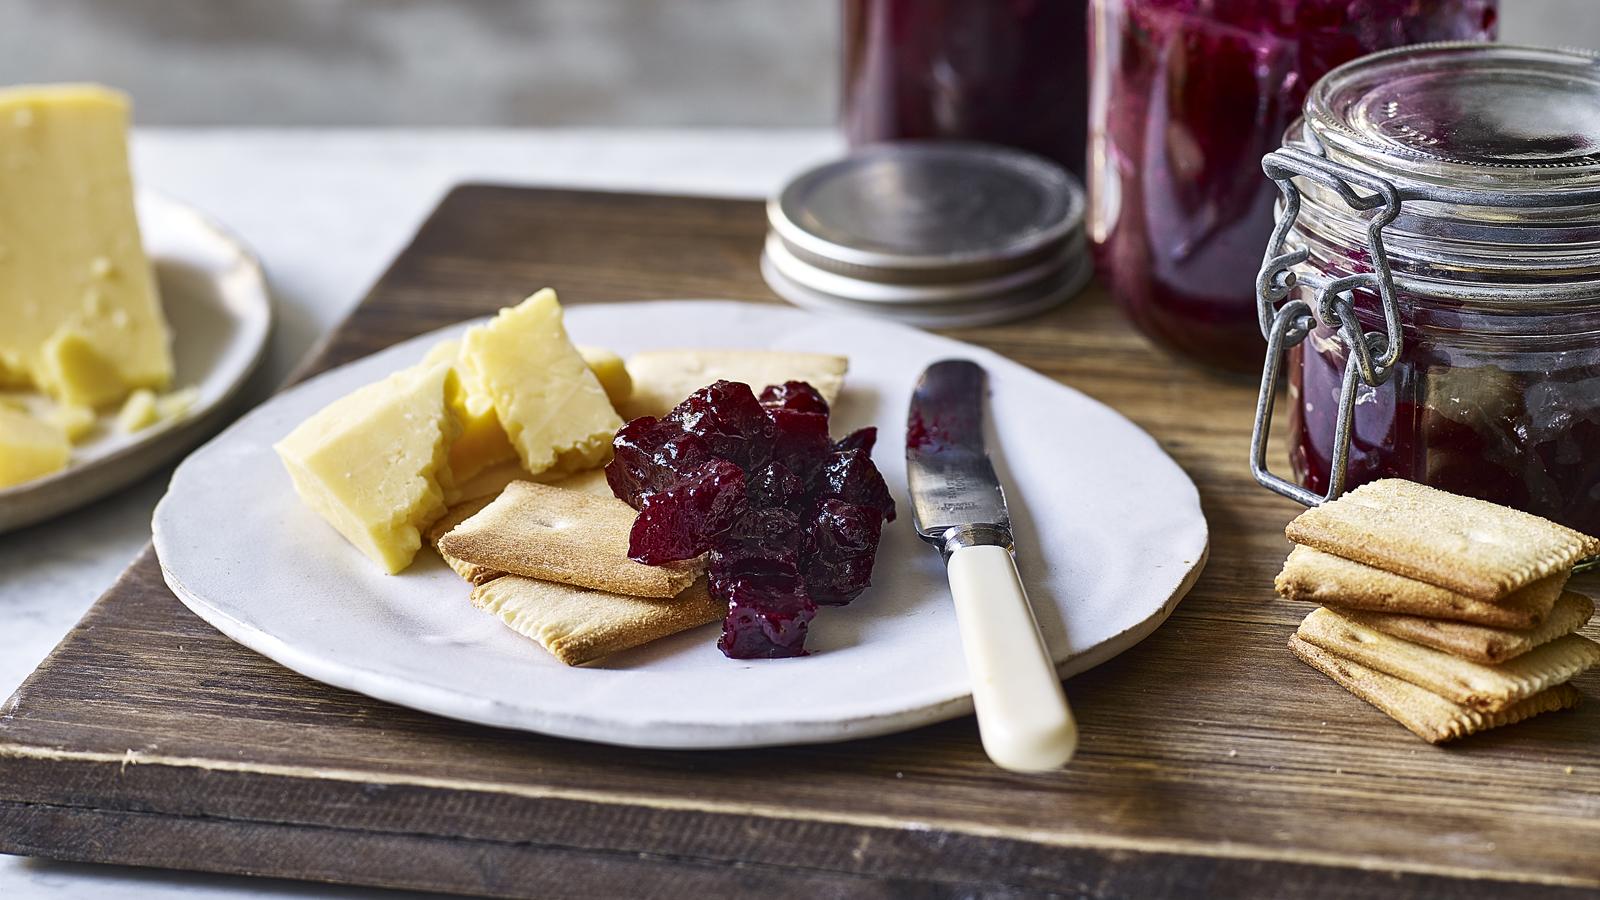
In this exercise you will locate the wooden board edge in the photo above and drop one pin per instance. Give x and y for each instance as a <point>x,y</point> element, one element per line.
<point>956,852</point>
<point>406,861</point>
<point>518,869</point>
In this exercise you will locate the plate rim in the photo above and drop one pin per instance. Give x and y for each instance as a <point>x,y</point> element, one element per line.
<point>160,444</point>
<point>667,734</point>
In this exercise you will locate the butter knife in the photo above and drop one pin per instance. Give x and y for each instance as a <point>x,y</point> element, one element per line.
<point>959,507</point>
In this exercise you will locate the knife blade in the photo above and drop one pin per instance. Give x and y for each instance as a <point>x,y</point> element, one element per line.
<point>958,506</point>
<point>950,476</point>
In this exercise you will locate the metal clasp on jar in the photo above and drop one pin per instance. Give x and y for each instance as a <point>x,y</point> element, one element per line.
<point>1371,355</point>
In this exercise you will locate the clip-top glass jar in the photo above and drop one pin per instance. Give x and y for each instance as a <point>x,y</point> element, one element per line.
<point>1434,279</point>
<point>1185,98</point>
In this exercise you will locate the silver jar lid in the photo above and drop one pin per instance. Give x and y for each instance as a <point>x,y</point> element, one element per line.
<point>933,233</point>
<point>1480,118</point>
<point>1488,155</point>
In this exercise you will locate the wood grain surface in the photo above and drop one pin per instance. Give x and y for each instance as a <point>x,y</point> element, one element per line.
<point>1212,762</point>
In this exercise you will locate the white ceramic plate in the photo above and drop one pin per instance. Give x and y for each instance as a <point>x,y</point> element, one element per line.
<point>1109,533</point>
<point>216,302</point>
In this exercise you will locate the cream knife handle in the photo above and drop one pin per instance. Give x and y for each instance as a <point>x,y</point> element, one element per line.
<point>1023,716</point>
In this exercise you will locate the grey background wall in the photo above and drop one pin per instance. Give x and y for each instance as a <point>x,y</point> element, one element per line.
<point>485,62</point>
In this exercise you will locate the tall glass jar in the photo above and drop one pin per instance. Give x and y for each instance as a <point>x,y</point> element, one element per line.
<point>1187,96</point>
<point>1463,182</point>
<point>1011,72</point>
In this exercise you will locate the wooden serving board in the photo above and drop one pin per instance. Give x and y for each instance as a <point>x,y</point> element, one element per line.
<point>1212,763</point>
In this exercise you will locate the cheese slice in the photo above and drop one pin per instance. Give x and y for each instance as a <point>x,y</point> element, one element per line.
<point>78,300</point>
<point>374,463</point>
<point>29,448</point>
<point>550,404</point>
<point>662,378</point>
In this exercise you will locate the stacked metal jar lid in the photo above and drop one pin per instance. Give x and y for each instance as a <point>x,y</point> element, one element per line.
<point>933,234</point>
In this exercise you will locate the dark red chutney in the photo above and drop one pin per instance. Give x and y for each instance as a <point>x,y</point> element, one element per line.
<point>790,519</point>
<point>1187,97</point>
<point>1474,407</point>
<point>1011,72</point>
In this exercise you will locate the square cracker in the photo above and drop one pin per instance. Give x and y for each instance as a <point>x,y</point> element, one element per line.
<point>1472,547</point>
<point>554,534</point>
<point>474,574</point>
<point>1474,685</point>
<point>592,481</point>
<point>1480,643</point>
<point>662,378</point>
<point>1322,578</point>
<point>1428,715</point>
<point>578,625</point>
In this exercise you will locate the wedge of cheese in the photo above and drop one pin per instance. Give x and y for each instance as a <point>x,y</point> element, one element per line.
<point>550,404</point>
<point>483,442</point>
<point>375,463</point>
<point>662,378</point>
<point>81,319</point>
<point>29,448</point>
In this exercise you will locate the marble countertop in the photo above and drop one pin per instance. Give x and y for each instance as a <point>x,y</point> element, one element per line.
<point>326,211</point>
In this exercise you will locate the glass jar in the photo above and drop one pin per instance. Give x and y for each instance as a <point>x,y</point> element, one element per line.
<point>1187,96</point>
<point>1011,72</point>
<point>1442,208</point>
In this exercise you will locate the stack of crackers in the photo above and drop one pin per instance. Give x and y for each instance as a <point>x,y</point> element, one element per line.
<point>1449,614</point>
<point>551,561</point>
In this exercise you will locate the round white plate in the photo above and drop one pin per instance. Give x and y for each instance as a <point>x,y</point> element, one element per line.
<point>1109,537</point>
<point>215,298</point>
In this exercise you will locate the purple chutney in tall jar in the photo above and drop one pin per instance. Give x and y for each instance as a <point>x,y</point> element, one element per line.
<point>1496,267</point>
<point>1187,96</point>
<point>1011,72</point>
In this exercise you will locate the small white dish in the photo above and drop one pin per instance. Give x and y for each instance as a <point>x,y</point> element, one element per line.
<point>1109,530</point>
<point>216,302</point>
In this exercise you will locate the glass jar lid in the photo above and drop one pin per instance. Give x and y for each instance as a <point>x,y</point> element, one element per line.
<point>1485,119</point>
<point>1490,157</point>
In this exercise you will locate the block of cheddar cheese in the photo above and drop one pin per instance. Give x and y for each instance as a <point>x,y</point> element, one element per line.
<point>375,463</point>
<point>78,300</point>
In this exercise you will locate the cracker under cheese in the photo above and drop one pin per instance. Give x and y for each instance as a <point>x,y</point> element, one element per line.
<point>662,378</point>
<point>458,513</point>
